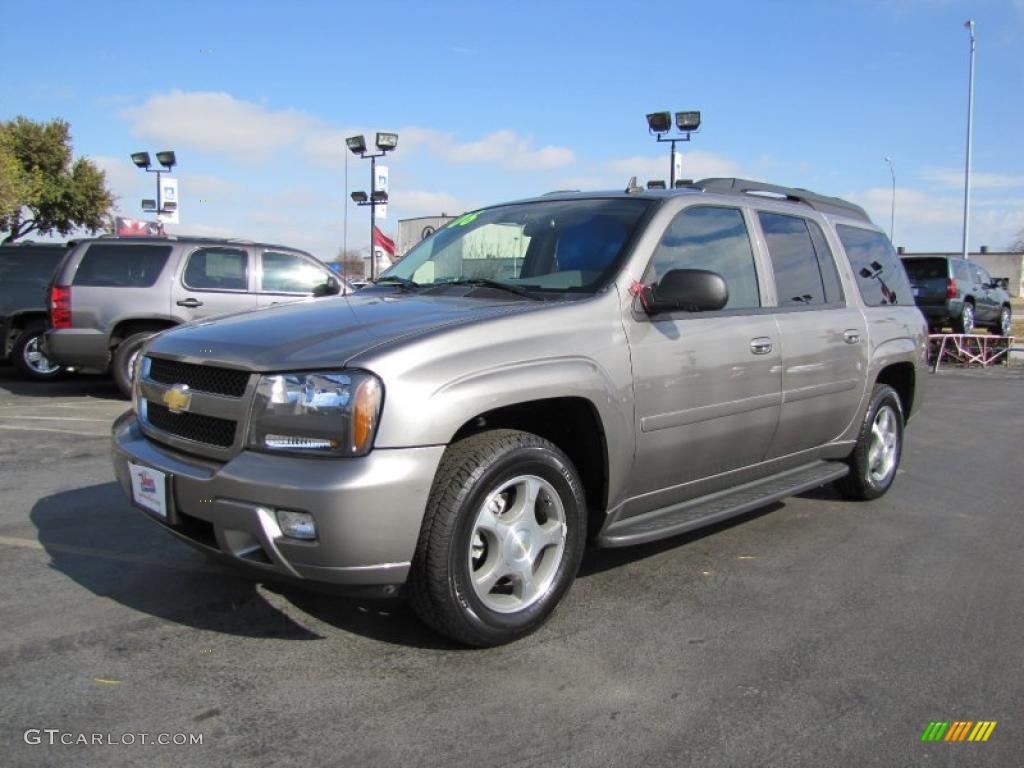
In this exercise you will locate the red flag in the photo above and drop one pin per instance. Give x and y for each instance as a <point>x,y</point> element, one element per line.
<point>382,241</point>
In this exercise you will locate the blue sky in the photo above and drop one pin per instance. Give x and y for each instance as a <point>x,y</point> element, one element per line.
<point>499,100</point>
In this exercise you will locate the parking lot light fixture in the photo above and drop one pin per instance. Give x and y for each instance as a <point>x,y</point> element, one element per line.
<point>385,142</point>
<point>168,160</point>
<point>660,123</point>
<point>356,144</point>
<point>687,121</point>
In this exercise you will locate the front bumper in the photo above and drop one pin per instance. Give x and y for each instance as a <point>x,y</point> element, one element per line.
<point>367,510</point>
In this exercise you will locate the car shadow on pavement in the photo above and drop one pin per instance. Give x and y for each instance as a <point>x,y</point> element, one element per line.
<point>69,385</point>
<point>100,542</point>
<point>600,560</point>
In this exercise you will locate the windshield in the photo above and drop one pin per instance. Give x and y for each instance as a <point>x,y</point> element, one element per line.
<point>558,245</point>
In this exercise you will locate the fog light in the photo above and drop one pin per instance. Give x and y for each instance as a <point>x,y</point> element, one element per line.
<point>296,525</point>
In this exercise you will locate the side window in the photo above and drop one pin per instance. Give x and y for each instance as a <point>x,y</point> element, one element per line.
<point>713,238</point>
<point>805,274</point>
<point>981,275</point>
<point>962,272</point>
<point>217,269</point>
<point>881,278</point>
<point>121,266</point>
<point>289,273</point>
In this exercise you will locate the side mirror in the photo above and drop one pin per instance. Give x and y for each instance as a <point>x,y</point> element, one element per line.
<point>330,287</point>
<point>688,290</point>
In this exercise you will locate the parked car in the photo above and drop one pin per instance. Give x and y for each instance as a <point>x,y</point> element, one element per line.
<point>958,294</point>
<point>620,367</point>
<point>25,271</point>
<point>110,295</point>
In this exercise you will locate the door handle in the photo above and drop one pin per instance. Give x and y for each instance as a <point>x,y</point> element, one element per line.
<point>761,345</point>
<point>851,336</point>
<point>190,303</point>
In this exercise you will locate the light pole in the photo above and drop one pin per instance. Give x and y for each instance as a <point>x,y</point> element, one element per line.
<point>660,123</point>
<point>385,142</point>
<point>892,208</point>
<point>969,25</point>
<point>168,161</point>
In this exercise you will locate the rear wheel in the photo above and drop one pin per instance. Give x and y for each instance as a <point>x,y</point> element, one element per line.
<point>1005,324</point>
<point>123,368</point>
<point>876,456</point>
<point>502,538</point>
<point>965,323</point>
<point>28,357</point>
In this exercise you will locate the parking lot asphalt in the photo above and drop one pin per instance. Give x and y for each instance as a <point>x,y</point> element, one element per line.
<point>815,632</point>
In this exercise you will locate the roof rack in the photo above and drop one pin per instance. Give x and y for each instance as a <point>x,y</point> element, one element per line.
<point>818,202</point>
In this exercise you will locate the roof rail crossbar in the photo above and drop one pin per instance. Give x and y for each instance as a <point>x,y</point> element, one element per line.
<point>818,202</point>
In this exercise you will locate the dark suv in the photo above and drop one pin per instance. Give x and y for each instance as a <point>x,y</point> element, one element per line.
<point>25,271</point>
<point>958,294</point>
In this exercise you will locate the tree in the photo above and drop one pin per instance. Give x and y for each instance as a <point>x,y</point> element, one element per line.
<point>1018,242</point>
<point>41,189</point>
<point>352,264</point>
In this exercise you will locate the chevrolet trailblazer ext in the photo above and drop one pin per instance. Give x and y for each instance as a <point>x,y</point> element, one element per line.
<point>617,366</point>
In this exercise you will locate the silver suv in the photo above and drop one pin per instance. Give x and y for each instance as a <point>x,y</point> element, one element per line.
<point>110,295</point>
<point>607,367</point>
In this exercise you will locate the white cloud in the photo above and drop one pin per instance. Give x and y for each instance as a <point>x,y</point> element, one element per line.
<point>217,122</point>
<point>123,178</point>
<point>505,148</point>
<point>926,222</point>
<point>953,178</point>
<point>413,203</point>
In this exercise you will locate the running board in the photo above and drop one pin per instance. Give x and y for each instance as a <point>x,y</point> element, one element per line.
<point>680,518</point>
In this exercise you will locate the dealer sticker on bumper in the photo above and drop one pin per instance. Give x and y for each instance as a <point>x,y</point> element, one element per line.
<point>149,488</point>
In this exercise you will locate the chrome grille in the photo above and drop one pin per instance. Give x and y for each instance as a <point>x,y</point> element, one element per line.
<point>192,426</point>
<point>199,378</point>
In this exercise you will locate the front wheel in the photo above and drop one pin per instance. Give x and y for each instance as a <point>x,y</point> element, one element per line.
<point>28,357</point>
<point>124,361</point>
<point>876,456</point>
<point>502,538</point>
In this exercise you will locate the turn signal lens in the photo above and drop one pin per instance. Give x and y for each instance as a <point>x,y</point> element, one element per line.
<point>364,415</point>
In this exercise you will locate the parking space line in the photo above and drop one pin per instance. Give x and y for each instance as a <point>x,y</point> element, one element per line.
<point>59,431</point>
<point>106,554</point>
<point>59,418</point>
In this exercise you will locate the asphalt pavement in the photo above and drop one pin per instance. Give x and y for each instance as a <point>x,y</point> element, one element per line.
<point>816,632</point>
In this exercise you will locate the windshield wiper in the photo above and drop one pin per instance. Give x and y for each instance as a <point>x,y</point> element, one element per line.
<point>402,282</point>
<point>486,282</point>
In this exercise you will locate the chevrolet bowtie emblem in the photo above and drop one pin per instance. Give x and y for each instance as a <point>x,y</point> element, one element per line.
<point>177,398</point>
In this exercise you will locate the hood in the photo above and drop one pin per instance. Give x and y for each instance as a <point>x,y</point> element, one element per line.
<point>322,332</point>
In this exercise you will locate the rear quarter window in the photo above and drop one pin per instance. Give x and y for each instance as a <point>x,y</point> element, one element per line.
<point>121,266</point>
<point>881,278</point>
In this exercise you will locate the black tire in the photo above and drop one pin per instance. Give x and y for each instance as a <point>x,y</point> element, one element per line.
<point>471,473</point>
<point>869,478</point>
<point>124,357</point>
<point>965,323</point>
<point>28,358</point>
<point>1005,324</point>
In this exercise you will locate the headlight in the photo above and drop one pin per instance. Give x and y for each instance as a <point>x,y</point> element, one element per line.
<point>330,413</point>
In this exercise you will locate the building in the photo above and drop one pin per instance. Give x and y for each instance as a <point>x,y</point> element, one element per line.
<point>1002,264</point>
<point>411,231</point>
